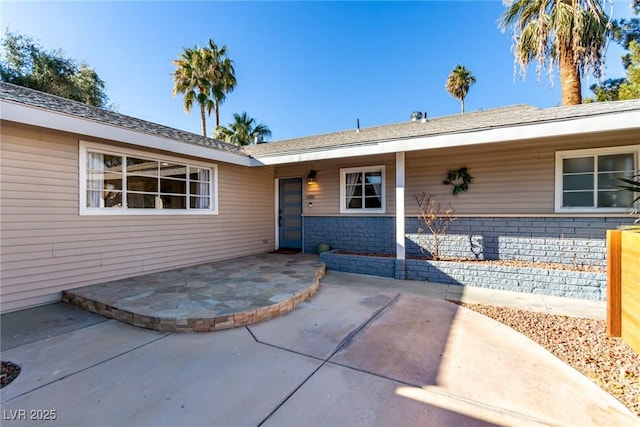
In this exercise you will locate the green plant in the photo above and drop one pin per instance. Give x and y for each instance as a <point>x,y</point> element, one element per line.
<point>460,179</point>
<point>437,217</point>
<point>633,185</point>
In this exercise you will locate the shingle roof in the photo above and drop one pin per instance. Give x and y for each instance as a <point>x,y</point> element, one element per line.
<point>459,123</point>
<point>58,104</point>
<point>510,116</point>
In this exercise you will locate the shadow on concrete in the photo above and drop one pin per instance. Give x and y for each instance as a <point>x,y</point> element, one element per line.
<point>35,324</point>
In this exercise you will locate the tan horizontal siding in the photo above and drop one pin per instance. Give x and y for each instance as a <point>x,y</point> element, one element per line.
<point>504,181</point>
<point>47,247</point>
<point>13,190</point>
<point>326,192</point>
<point>509,178</point>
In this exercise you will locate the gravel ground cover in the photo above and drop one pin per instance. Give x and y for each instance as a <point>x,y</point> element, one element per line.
<point>582,344</point>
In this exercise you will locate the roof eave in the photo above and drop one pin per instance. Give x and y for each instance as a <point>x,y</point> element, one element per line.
<point>27,114</point>
<point>614,121</point>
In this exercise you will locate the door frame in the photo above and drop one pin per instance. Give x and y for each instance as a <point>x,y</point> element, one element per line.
<point>277,206</point>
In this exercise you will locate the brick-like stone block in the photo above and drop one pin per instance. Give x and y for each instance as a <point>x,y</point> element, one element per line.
<point>123,316</point>
<point>299,298</point>
<point>286,306</point>
<point>243,318</point>
<point>143,321</point>
<point>223,322</point>
<point>261,314</point>
<point>167,324</point>
<point>274,311</point>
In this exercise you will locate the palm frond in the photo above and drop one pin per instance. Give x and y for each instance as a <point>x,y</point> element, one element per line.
<point>242,130</point>
<point>632,185</point>
<point>545,31</point>
<point>459,82</point>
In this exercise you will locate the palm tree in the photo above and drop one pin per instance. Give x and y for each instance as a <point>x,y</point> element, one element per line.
<point>191,78</point>
<point>205,75</point>
<point>222,75</point>
<point>242,130</point>
<point>458,83</point>
<point>569,34</point>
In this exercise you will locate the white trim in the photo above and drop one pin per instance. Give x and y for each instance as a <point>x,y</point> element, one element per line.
<point>362,169</point>
<point>276,192</point>
<point>498,215</point>
<point>35,116</point>
<point>400,231</point>
<point>617,121</point>
<point>85,146</point>
<point>558,191</point>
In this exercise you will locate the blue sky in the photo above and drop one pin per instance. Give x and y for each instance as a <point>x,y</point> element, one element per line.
<point>303,68</point>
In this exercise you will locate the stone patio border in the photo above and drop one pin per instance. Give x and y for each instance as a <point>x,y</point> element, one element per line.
<point>195,324</point>
<point>198,323</point>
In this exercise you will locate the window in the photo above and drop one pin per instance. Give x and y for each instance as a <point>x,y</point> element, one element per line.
<point>588,180</point>
<point>132,182</point>
<point>362,190</point>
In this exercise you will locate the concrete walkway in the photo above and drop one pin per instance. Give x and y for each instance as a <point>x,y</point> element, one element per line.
<point>353,355</point>
<point>533,302</point>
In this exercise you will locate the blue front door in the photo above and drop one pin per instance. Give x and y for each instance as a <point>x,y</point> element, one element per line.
<point>290,213</point>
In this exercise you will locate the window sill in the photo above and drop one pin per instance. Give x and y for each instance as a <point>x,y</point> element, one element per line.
<point>362,211</point>
<point>148,212</point>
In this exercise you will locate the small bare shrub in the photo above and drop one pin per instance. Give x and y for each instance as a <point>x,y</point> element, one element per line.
<point>437,217</point>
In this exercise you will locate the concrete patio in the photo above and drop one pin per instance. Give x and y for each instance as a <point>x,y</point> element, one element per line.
<point>353,355</point>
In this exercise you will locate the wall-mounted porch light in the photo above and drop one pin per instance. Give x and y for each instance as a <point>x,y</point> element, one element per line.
<point>311,178</point>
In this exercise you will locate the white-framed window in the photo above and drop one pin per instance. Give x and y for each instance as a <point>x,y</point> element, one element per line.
<point>115,181</point>
<point>588,180</point>
<point>362,190</point>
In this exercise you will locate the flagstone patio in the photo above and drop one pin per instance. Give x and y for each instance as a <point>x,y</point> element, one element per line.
<point>206,297</point>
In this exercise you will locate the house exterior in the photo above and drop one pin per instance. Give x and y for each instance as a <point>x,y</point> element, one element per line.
<point>90,195</point>
<point>55,236</point>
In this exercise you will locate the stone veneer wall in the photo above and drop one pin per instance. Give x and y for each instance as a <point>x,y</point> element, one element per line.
<point>573,241</point>
<point>574,284</point>
<point>569,240</point>
<point>364,234</point>
<point>563,283</point>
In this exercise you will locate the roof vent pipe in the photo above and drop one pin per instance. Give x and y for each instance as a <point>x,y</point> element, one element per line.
<point>424,118</point>
<point>357,125</point>
<point>415,116</point>
<point>257,139</point>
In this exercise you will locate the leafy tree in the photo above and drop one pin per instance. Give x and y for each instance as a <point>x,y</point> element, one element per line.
<point>626,31</point>
<point>204,75</point>
<point>26,63</point>
<point>568,34</point>
<point>459,82</point>
<point>630,88</point>
<point>627,34</point>
<point>242,130</point>
<point>609,90</point>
